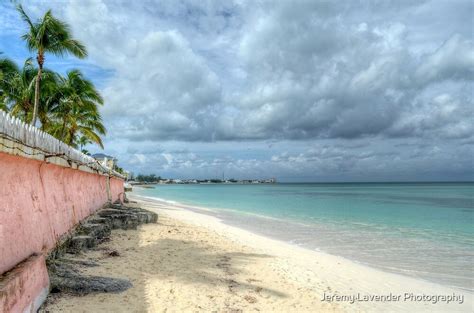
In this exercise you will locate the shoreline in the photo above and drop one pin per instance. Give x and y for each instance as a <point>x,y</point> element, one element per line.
<point>192,262</point>
<point>338,272</point>
<point>296,232</point>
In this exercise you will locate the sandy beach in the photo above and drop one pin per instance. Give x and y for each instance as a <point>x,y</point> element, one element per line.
<point>193,262</point>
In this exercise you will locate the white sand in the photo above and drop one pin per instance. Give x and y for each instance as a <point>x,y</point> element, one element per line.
<point>194,262</point>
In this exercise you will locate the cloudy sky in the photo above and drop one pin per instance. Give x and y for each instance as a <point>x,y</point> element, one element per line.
<point>313,90</point>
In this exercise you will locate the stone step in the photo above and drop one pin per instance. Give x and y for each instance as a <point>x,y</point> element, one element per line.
<point>98,231</point>
<point>65,278</point>
<point>79,243</point>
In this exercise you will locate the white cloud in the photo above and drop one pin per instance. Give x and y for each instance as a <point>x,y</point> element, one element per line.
<point>454,59</point>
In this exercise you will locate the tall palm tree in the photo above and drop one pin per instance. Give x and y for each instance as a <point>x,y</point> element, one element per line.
<point>48,34</point>
<point>74,111</point>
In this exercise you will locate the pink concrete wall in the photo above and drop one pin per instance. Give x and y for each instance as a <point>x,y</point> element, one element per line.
<point>24,288</point>
<point>40,202</point>
<point>116,188</point>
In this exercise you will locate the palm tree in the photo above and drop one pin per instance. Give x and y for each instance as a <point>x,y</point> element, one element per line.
<point>74,111</point>
<point>48,34</point>
<point>83,121</point>
<point>8,69</point>
<point>17,87</point>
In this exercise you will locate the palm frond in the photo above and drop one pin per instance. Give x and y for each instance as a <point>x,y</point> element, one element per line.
<point>7,67</point>
<point>75,47</point>
<point>89,133</point>
<point>24,16</point>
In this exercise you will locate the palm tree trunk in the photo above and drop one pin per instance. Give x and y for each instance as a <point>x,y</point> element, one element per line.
<point>63,130</point>
<point>72,133</point>
<point>40,59</point>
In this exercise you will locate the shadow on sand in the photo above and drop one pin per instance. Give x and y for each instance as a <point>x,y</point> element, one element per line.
<point>173,259</point>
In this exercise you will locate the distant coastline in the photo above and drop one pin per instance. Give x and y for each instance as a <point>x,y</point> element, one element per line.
<point>203,181</point>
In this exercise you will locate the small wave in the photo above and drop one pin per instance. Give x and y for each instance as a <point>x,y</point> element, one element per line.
<point>160,200</point>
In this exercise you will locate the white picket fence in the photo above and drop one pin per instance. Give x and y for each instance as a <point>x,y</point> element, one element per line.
<point>14,130</point>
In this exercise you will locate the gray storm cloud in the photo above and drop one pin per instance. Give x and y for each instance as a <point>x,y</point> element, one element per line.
<point>307,70</point>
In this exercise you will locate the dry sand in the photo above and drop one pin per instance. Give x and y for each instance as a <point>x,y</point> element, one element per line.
<point>192,262</point>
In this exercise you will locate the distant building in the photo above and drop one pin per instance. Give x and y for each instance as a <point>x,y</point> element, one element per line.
<point>106,160</point>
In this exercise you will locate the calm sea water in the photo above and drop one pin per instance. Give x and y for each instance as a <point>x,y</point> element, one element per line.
<point>421,230</point>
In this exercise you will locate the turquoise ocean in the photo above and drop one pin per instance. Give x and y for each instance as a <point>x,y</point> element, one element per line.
<point>423,230</point>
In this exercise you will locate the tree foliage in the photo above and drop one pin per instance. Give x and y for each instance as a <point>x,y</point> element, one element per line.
<point>147,178</point>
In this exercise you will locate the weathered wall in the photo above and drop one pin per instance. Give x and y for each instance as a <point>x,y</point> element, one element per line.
<point>46,188</point>
<point>40,202</point>
<point>25,287</point>
<point>117,188</point>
